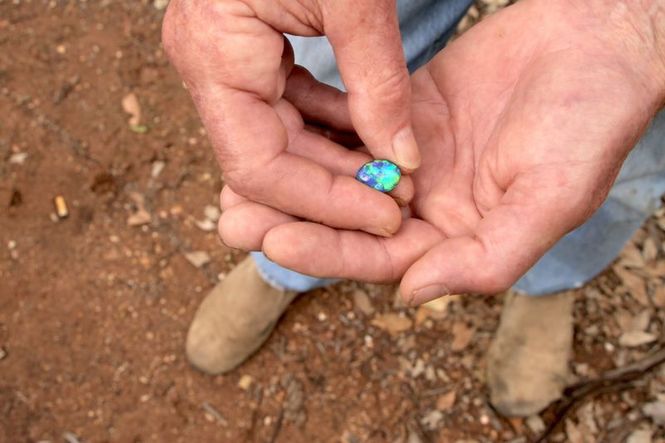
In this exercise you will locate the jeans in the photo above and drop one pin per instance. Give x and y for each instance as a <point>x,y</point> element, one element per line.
<point>426,25</point>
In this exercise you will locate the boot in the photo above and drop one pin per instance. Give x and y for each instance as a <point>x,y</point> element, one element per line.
<point>234,320</point>
<point>527,367</point>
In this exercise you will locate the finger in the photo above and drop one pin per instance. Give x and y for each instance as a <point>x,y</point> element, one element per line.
<point>341,161</point>
<point>321,251</point>
<point>506,243</point>
<point>228,198</point>
<point>370,58</point>
<point>317,101</point>
<point>243,226</point>
<point>235,87</point>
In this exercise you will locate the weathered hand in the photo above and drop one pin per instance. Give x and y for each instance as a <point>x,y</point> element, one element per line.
<point>235,61</point>
<point>523,124</point>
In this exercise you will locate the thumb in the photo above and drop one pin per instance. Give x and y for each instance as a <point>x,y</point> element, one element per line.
<point>368,49</point>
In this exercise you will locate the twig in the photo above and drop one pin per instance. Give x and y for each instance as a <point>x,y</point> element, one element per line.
<point>215,413</point>
<point>618,379</point>
<point>278,426</point>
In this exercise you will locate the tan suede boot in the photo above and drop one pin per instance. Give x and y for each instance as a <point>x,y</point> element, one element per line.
<point>527,367</point>
<point>234,320</point>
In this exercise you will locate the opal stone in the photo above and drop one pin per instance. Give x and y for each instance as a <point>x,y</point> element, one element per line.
<point>381,175</point>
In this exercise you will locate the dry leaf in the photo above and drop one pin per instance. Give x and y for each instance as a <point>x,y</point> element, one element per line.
<point>130,104</point>
<point>573,433</point>
<point>634,284</point>
<point>640,436</point>
<point>392,323</point>
<point>655,410</point>
<point>632,339</point>
<point>446,401</point>
<point>655,269</point>
<point>362,302</point>
<point>628,322</point>
<point>658,296</point>
<point>462,335</point>
<point>631,257</point>
<point>649,250</point>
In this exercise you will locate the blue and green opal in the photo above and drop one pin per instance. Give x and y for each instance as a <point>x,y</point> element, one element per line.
<point>381,175</point>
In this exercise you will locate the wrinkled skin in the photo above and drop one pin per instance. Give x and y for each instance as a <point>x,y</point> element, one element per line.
<point>522,124</point>
<point>234,61</point>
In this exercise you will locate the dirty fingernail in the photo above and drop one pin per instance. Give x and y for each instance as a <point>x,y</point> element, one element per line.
<point>427,293</point>
<point>381,232</point>
<point>405,149</point>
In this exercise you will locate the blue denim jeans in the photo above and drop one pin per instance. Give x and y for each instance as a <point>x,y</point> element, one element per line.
<point>426,25</point>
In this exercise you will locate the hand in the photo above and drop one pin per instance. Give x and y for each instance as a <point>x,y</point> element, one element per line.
<point>235,62</point>
<point>523,124</point>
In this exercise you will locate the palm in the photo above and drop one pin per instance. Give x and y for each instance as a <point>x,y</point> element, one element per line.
<point>521,136</point>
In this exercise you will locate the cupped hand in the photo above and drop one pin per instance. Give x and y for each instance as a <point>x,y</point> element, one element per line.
<point>235,62</point>
<point>523,124</point>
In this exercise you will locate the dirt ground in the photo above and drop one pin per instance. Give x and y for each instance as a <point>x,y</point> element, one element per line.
<point>94,307</point>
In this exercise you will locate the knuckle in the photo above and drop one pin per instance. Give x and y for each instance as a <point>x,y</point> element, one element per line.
<point>495,280</point>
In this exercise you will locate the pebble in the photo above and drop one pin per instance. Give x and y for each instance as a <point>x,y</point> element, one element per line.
<point>245,382</point>
<point>535,424</point>
<point>18,158</point>
<point>198,259</point>
<point>432,420</point>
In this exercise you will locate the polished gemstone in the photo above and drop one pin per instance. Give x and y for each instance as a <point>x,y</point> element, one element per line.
<point>381,175</point>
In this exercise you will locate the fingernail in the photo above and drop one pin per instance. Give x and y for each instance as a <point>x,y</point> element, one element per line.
<point>405,149</point>
<point>381,232</point>
<point>427,293</point>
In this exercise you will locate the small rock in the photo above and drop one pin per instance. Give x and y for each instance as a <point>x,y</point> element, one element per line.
<point>432,420</point>
<point>656,411</point>
<point>633,339</point>
<point>362,302</point>
<point>535,424</point>
<point>245,382</point>
<point>18,158</point>
<point>139,218</point>
<point>130,104</point>
<point>206,225</point>
<point>212,212</point>
<point>157,168</point>
<point>392,323</point>
<point>160,4</point>
<point>70,437</point>
<point>640,436</point>
<point>198,258</point>
<point>446,401</point>
<point>462,335</point>
<point>3,353</point>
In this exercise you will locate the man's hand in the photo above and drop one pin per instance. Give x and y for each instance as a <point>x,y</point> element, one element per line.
<point>235,62</point>
<point>523,124</point>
